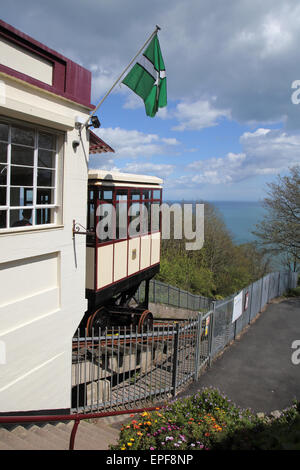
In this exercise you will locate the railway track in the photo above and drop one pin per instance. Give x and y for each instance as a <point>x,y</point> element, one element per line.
<point>121,337</point>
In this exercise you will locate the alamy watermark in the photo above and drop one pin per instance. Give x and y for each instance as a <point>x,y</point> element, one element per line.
<point>295,97</point>
<point>183,221</point>
<point>296,354</point>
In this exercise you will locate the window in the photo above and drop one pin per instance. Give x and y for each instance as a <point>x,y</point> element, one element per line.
<point>28,176</point>
<point>122,213</point>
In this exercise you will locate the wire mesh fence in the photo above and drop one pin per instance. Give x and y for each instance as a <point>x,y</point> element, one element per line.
<point>122,366</point>
<point>162,293</point>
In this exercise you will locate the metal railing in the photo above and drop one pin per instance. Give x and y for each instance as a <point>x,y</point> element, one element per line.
<point>124,367</point>
<point>121,366</point>
<point>71,417</point>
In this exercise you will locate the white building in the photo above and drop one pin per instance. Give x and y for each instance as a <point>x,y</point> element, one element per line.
<point>43,188</point>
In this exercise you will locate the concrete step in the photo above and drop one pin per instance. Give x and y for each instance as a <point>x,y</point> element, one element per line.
<point>61,431</point>
<point>34,436</point>
<point>99,429</point>
<point>98,438</point>
<point>4,446</point>
<point>14,441</point>
<point>89,436</point>
<point>58,438</point>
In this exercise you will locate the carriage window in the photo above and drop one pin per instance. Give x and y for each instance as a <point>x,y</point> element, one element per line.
<point>156,193</point>
<point>134,219</point>
<point>146,217</point>
<point>155,217</point>
<point>146,194</point>
<point>91,211</point>
<point>135,194</point>
<point>121,214</point>
<point>105,225</point>
<point>121,195</point>
<point>28,176</point>
<point>107,195</point>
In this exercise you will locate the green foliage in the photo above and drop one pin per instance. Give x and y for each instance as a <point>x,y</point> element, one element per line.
<point>208,420</point>
<point>279,230</point>
<point>219,269</point>
<point>293,292</point>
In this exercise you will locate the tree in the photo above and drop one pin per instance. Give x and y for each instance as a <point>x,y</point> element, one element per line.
<point>219,269</point>
<point>279,231</point>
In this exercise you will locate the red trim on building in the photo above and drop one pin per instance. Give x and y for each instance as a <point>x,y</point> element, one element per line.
<point>70,80</point>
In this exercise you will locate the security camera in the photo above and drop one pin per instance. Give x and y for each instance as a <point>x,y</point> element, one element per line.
<point>94,122</point>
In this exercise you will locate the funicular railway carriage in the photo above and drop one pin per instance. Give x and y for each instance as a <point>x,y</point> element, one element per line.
<point>123,248</point>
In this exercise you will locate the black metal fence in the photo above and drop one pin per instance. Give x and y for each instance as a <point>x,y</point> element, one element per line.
<point>122,366</point>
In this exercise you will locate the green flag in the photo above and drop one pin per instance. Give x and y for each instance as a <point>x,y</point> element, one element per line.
<point>147,78</point>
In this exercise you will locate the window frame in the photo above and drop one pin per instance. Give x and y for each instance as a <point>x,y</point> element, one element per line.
<point>97,200</point>
<point>56,185</point>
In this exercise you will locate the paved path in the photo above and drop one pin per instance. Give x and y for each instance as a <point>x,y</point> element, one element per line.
<point>256,371</point>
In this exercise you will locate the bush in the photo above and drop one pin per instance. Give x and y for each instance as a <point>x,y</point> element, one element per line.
<point>209,421</point>
<point>293,292</point>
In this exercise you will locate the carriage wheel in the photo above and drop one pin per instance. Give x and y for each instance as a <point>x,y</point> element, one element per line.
<point>145,321</point>
<point>98,319</point>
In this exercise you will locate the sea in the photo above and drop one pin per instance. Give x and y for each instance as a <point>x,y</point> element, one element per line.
<point>240,218</point>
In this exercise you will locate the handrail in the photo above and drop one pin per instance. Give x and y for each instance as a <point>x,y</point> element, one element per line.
<point>71,417</point>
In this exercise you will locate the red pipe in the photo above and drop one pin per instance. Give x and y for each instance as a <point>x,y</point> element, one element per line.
<point>71,417</point>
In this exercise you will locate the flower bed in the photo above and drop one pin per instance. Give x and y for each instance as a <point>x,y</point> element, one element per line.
<point>208,420</point>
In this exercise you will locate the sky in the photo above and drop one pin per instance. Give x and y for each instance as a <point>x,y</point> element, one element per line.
<point>230,126</point>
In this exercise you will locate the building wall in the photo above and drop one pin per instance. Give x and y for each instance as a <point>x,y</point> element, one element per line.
<point>42,270</point>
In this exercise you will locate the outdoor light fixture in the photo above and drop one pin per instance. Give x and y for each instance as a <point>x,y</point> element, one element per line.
<point>94,122</point>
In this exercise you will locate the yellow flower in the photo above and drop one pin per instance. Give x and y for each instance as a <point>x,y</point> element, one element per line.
<point>129,444</point>
<point>132,439</point>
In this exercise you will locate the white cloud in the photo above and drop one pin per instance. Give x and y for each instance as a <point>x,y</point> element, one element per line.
<point>133,101</point>
<point>265,152</point>
<point>170,141</point>
<point>198,115</point>
<point>160,170</point>
<point>133,143</point>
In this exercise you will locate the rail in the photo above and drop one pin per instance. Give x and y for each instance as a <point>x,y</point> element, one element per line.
<point>71,417</point>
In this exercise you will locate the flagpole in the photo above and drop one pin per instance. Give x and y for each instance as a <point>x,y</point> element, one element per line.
<point>157,28</point>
